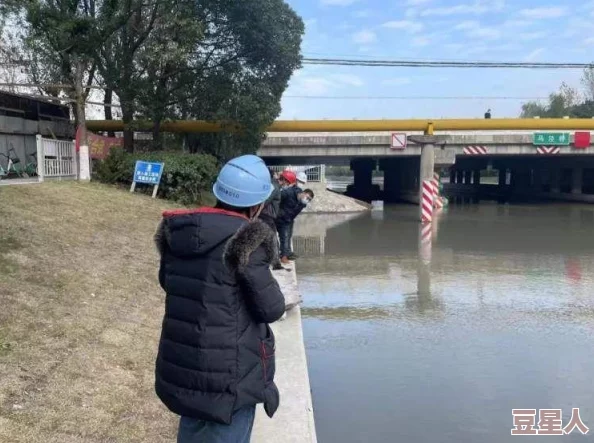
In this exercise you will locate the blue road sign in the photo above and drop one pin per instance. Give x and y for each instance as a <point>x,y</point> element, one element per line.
<point>149,173</point>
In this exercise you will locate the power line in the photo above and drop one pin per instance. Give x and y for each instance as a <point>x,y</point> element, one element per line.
<point>316,55</point>
<point>407,97</point>
<point>443,64</point>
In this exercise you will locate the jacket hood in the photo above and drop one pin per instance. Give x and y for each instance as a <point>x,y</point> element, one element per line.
<point>198,232</point>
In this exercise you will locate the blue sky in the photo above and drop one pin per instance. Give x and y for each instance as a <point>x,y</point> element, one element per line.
<point>488,30</point>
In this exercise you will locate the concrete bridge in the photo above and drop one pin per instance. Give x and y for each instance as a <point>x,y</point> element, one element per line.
<point>524,169</point>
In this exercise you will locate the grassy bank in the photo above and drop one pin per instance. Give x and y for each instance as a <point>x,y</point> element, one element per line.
<point>80,315</point>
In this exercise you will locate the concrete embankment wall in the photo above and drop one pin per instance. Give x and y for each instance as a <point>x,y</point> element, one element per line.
<point>326,201</point>
<point>294,420</point>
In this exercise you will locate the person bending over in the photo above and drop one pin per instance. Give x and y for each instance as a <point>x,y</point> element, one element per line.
<point>293,201</point>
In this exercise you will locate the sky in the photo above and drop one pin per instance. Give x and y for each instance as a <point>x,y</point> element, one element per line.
<point>468,30</point>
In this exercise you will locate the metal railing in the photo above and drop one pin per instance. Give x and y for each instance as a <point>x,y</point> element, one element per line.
<point>56,158</point>
<point>314,173</point>
<point>309,246</point>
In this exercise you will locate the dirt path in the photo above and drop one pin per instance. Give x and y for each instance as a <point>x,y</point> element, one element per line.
<point>80,313</point>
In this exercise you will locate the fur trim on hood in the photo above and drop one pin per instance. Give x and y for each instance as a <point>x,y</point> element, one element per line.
<point>239,247</point>
<point>246,240</point>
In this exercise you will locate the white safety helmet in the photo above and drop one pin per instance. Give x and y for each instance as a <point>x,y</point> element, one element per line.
<point>302,177</point>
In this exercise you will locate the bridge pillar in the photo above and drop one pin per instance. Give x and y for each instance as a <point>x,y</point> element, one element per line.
<point>452,175</point>
<point>400,179</point>
<point>459,176</point>
<point>426,169</point>
<point>476,177</point>
<point>577,180</point>
<point>363,188</point>
<point>394,178</point>
<point>467,177</point>
<point>502,177</point>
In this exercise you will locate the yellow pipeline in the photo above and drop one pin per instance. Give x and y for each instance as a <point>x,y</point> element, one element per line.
<point>366,125</point>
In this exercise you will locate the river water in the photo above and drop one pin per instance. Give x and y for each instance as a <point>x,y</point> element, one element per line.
<point>501,319</point>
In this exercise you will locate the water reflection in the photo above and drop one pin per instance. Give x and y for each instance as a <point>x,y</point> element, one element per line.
<point>500,316</point>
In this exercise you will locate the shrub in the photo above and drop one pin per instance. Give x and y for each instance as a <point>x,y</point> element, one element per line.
<point>187,178</point>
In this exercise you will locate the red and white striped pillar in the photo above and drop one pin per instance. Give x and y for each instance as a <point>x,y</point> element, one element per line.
<point>427,197</point>
<point>435,182</point>
<point>425,242</point>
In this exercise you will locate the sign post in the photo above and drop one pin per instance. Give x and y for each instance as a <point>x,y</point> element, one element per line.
<point>148,173</point>
<point>398,140</point>
<point>551,138</point>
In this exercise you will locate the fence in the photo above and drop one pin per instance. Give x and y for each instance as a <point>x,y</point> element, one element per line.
<point>315,173</point>
<point>56,159</point>
<point>309,246</point>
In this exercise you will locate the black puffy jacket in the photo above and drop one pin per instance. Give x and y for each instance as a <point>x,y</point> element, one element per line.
<point>216,353</point>
<point>272,206</point>
<point>290,206</point>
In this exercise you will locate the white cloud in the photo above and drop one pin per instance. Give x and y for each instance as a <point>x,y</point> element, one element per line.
<point>345,26</point>
<point>411,13</point>
<point>337,2</point>
<point>529,36</point>
<point>533,56</point>
<point>467,25</point>
<point>577,27</point>
<point>485,33</point>
<point>514,23</point>
<point>473,29</point>
<point>404,25</point>
<point>420,41</point>
<point>347,79</point>
<point>305,82</point>
<point>477,7</point>
<point>363,13</point>
<point>364,37</point>
<point>417,2</point>
<point>543,13</point>
<point>397,81</point>
<point>589,41</point>
<point>314,85</point>
<point>487,48</point>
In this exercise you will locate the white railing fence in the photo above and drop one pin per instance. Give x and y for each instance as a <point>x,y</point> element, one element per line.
<point>56,159</point>
<point>315,173</point>
<point>309,246</point>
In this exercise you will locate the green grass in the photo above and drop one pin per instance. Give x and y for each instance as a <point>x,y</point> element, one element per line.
<point>81,313</point>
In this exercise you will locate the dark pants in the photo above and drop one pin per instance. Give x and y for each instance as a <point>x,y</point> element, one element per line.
<point>285,231</point>
<point>200,431</point>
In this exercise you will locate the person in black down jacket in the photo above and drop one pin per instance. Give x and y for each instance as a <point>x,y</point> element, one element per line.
<point>216,353</point>
<point>293,201</point>
<point>270,212</point>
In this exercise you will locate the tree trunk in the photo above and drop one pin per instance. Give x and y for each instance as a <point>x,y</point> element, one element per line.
<point>157,136</point>
<point>84,160</point>
<point>127,117</point>
<point>107,100</point>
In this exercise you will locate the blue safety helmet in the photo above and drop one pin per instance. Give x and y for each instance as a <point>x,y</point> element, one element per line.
<point>243,182</point>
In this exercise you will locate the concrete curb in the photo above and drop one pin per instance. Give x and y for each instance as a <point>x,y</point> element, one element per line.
<point>294,420</point>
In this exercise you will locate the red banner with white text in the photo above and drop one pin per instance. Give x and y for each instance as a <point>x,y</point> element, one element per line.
<point>99,145</point>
